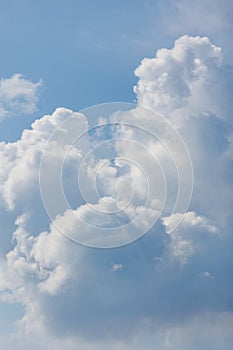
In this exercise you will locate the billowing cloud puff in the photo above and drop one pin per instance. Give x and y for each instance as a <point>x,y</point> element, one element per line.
<point>18,96</point>
<point>185,81</point>
<point>168,280</point>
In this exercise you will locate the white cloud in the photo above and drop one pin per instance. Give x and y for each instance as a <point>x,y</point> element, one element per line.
<point>70,293</point>
<point>183,241</point>
<point>207,274</point>
<point>18,96</point>
<point>190,219</point>
<point>185,81</point>
<point>208,17</point>
<point>117,267</point>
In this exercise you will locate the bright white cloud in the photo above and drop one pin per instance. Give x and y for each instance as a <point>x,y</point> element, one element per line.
<point>70,293</point>
<point>18,96</point>
<point>185,81</point>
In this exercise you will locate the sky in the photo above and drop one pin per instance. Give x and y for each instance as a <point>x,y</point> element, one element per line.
<point>116,140</point>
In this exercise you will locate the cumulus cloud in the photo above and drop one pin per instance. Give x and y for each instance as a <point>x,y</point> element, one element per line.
<point>190,85</point>
<point>165,283</point>
<point>206,16</point>
<point>183,241</point>
<point>174,81</point>
<point>18,96</point>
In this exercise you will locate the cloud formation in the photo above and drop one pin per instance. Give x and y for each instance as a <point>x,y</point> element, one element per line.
<point>182,80</point>
<point>159,289</point>
<point>18,96</point>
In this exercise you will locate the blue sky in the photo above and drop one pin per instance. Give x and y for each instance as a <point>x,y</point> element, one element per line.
<point>171,289</point>
<point>85,51</point>
<point>78,48</point>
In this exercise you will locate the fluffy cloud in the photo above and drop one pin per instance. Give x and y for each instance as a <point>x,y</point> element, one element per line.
<point>210,17</point>
<point>159,289</point>
<point>185,81</point>
<point>18,96</point>
<point>191,86</point>
<point>183,241</point>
